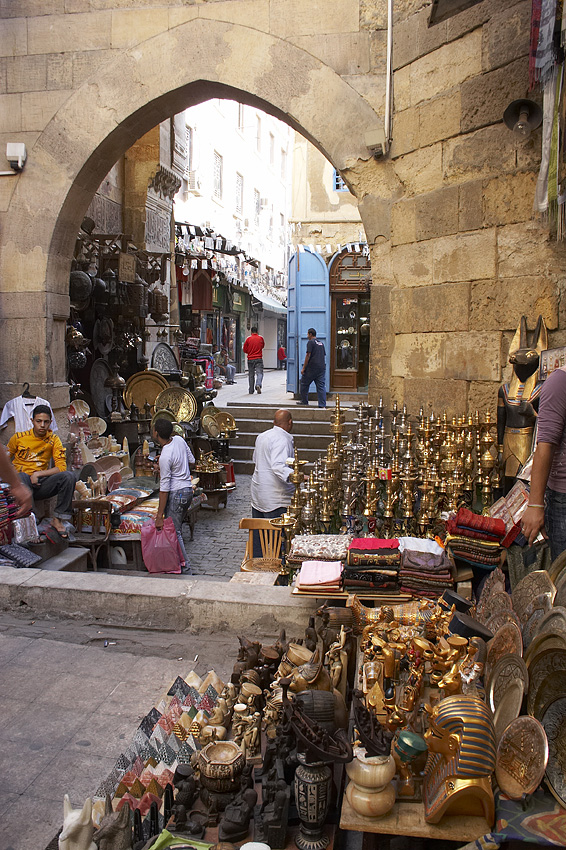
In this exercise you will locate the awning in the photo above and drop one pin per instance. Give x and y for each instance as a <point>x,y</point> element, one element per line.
<point>271,304</point>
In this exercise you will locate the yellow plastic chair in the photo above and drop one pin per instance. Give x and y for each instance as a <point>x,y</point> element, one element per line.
<point>270,540</point>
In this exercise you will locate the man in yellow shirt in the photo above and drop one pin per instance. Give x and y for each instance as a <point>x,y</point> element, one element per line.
<point>31,453</point>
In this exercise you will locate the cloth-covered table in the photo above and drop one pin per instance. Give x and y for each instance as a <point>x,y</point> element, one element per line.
<point>541,821</point>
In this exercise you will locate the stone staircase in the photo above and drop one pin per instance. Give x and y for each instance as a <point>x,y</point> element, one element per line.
<point>311,431</point>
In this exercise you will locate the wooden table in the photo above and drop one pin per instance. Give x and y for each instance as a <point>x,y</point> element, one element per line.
<point>408,819</point>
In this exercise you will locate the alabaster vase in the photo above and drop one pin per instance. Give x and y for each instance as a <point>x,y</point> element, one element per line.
<point>369,790</point>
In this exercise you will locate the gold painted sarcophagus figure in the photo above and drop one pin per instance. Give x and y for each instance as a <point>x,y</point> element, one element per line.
<point>461,743</point>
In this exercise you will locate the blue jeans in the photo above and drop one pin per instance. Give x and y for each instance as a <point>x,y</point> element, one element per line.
<point>320,380</point>
<point>62,485</point>
<point>177,505</point>
<point>255,374</point>
<point>555,521</point>
<point>263,515</point>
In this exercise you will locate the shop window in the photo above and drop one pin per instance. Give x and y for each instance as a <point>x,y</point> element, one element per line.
<point>338,183</point>
<point>217,175</point>
<point>239,193</point>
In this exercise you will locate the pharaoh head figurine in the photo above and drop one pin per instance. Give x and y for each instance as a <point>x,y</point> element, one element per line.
<point>461,743</point>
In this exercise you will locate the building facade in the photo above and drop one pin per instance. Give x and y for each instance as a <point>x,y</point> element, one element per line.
<point>456,256</point>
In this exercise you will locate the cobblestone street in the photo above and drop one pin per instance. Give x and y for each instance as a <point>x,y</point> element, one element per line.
<point>218,548</point>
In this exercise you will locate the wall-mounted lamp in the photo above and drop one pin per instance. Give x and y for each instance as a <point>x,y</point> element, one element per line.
<point>16,154</point>
<point>522,117</point>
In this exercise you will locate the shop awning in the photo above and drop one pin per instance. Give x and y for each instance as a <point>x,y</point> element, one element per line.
<point>271,304</point>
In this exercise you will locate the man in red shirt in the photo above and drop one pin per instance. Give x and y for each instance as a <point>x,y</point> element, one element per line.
<point>253,347</point>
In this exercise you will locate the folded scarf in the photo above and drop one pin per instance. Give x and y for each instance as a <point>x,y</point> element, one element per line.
<point>372,558</point>
<point>425,562</point>
<point>469,524</point>
<point>320,547</point>
<point>320,573</point>
<point>373,543</point>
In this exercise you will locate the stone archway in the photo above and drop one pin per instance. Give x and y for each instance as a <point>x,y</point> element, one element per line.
<point>99,121</point>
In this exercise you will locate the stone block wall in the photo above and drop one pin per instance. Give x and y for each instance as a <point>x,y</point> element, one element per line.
<point>465,258</point>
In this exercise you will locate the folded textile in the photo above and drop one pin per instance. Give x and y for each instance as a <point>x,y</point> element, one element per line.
<point>468,524</point>
<point>356,559</point>
<point>320,589</point>
<point>431,577</point>
<point>373,543</point>
<point>319,573</point>
<point>386,585</point>
<point>426,562</point>
<point>320,547</point>
<point>420,544</point>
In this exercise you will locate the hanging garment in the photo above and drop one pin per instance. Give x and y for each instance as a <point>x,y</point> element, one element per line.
<point>20,409</point>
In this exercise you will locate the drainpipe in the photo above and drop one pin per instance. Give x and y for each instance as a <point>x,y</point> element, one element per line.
<point>389,74</point>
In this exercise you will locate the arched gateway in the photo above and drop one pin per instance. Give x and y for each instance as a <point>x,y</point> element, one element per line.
<point>123,99</point>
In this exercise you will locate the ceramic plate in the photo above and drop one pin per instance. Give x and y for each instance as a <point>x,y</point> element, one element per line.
<point>96,425</point>
<point>78,408</point>
<point>108,464</point>
<point>522,757</point>
<point>554,724</point>
<point>89,470</point>
<point>114,481</point>
<point>508,669</point>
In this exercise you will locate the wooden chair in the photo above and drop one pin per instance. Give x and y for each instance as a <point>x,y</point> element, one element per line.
<point>270,539</point>
<point>94,515</point>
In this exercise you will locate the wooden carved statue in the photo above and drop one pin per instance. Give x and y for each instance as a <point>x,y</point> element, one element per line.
<point>115,832</point>
<point>517,402</point>
<point>461,744</point>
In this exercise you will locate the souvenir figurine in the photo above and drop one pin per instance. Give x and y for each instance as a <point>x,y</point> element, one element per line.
<point>461,743</point>
<point>77,827</point>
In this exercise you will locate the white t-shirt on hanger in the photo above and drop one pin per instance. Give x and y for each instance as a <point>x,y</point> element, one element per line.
<point>20,409</point>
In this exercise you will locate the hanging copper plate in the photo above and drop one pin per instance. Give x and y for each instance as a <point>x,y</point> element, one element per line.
<point>522,757</point>
<point>144,387</point>
<point>180,401</point>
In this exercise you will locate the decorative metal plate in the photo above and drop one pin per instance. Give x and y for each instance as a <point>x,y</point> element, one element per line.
<point>536,610</point>
<point>509,707</point>
<point>546,640</point>
<point>210,426</point>
<point>560,598</point>
<point>554,723</point>
<point>164,360</point>
<point>499,600</point>
<point>500,618</point>
<point>494,583</point>
<point>522,757</point>
<point>509,668</point>
<point>528,588</point>
<point>162,414</point>
<point>553,621</point>
<point>557,566</point>
<point>551,688</point>
<point>144,387</point>
<point>507,641</point>
<point>180,401</point>
<point>99,372</point>
<point>548,662</point>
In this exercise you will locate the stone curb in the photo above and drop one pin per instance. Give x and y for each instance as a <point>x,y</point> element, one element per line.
<point>152,602</point>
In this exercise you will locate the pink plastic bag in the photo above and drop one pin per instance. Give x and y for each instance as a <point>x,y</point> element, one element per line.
<point>161,552</point>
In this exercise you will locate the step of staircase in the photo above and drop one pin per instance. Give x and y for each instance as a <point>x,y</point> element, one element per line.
<point>311,431</point>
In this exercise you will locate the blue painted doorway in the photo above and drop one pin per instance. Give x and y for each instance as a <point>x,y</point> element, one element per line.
<point>308,306</point>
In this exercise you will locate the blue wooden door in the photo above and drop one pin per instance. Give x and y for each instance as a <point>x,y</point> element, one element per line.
<point>308,306</point>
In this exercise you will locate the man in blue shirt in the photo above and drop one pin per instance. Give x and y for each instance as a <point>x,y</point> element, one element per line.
<point>314,369</point>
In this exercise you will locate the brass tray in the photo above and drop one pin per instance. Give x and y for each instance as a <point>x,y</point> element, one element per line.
<point>532,585</point>
<point>508,669</point>
<point>162,414</point>
<point>522,757</point>
<point>551,688</point>
<point>536,610</point>
<point>180,401</point>
<point>553,621</point>
<point>560,598</point>
<point>226,421</point>
<point>210,426</point>
<point>144,387</point>
<point>497,601</point>
<point>554,724</point>
<point>543,641</point>
<point>557,566</point>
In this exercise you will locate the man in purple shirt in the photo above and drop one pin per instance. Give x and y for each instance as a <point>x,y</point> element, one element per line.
<point>547,499</point>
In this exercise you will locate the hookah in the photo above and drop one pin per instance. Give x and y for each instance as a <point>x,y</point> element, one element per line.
<point>487,461</point>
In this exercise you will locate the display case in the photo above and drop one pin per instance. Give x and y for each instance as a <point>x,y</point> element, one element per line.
<point>350,276</point>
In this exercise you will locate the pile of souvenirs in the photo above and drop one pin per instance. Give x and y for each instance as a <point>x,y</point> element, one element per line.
<point>432,692</point>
